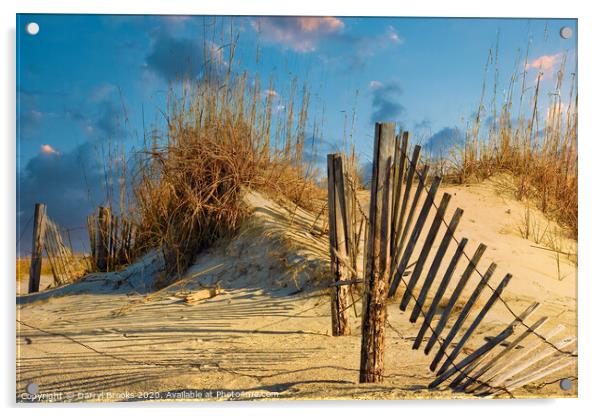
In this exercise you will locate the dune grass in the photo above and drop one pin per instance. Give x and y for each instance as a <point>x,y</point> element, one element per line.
<point>540,155</point>
<point>23,264</point>
<point>221,137</point>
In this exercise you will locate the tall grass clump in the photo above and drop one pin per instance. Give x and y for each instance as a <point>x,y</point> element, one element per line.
<point>537,147</point>
<point>222,136</point>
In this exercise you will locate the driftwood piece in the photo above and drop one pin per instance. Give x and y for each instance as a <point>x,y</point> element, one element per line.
<point>202,294</point>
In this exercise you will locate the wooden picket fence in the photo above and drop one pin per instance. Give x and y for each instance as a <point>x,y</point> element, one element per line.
<point>111,246</point>
<point>111,240</point>
<point>48,237</point>
<point>402,196</point>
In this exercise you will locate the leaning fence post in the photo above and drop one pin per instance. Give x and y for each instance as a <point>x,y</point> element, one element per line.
<point>339,237</point>
<point>37,245</point>
<point>377,257</point>
<point>102,240</point>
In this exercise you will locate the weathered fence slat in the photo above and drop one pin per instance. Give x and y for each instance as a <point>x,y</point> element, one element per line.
<point>65,266</point>
<point>439,294</point>
<point>495,360</point>
<point>395,183</point>
<point>498,379</point>
<point>338,233</point>
<point>51,253</point>
<point>426,248</point>
<point>92,235</point>
<point>64,257</point>
<point>405,259</point>
<point>484,349</point>
<point>472,264</point>
<point>102,240</point>
<point>406,196</point>
<point>377,257</point>
<point>510,369</point>
<point>432,273</point>
<point>420,186</point>
<point>113,242</point>
<point>546,370</point>
<point>462,317</point>
<point>491,365</point>
<point>400,166</point>
<point>54,255</point>
<point>477,321</point>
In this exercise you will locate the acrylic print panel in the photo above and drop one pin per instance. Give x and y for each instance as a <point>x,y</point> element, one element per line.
<point>268,208</point>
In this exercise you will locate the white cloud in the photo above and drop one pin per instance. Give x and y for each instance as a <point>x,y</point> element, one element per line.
<point>544,62</point>
<point>375,84</point>
<point>301,34</point>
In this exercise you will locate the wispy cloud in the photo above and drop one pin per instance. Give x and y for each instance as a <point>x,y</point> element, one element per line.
<point>393,36</point>
<point>544,62</point>
<point>216,52</point>
<point>335,41</point>
<point>110,122</point>
<point>424,124</point>
<point>173,58</point>
<point>176,20</point>
<point>302,34</point>
<point>386,97</point>
<point>354,51</point>
<point>102,91</point>
<point>444,141</point>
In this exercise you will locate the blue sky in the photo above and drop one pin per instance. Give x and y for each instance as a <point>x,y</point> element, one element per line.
<point>86,82</point>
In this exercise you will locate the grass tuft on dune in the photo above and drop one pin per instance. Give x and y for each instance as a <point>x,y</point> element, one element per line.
<point>219,140</point>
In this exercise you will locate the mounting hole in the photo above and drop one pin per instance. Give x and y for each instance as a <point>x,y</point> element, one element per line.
<point>32,28</point>
<point>32,388</point>
<point>566,32</point>
<point>566,384</point>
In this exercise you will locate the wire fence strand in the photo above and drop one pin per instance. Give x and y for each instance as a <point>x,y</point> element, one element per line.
<point>504,302</point>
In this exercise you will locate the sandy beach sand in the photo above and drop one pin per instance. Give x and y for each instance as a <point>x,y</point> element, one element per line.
<point>267,334</point>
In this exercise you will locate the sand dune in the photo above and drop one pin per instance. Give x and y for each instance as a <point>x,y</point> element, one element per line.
<point>266,335</point>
